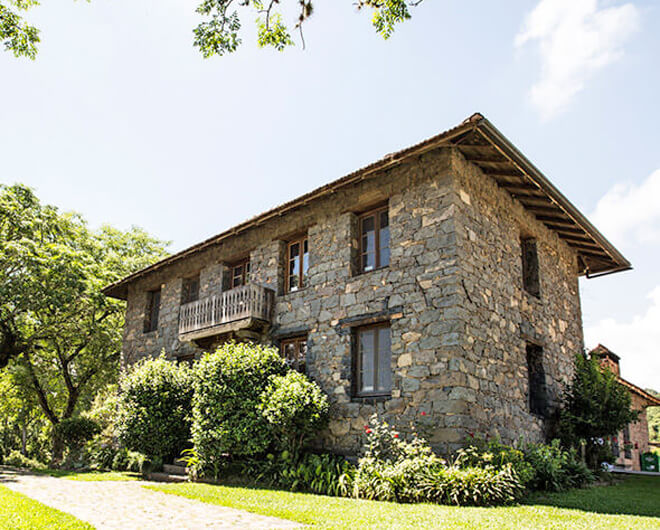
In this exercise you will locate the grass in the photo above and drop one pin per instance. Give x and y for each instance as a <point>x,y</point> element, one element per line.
<point>20,512</point>
<point>90,476</point>
<point>633,503</point>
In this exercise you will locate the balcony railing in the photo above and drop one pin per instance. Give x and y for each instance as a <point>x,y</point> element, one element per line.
<point>247,301</point>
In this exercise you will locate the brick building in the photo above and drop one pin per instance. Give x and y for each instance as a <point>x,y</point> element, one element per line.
<point>442,278</point>
<point>633,440</point>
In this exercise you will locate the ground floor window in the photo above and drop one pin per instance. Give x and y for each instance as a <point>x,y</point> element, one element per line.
<point>372,360</point>
<point>537,396</point>
<point>294,352</point>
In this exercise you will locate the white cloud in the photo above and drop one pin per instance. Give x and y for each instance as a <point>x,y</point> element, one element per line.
<point>576,39</point>
<point>630,214</point>
<point>636,341</point>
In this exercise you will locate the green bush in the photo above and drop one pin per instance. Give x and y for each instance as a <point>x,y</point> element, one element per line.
<point>408,471</point>
<point>556,469</point>
<point>324,474</point>
<point>125,460</point>
<point>74,432</point>
<point>154,408</point>
<point>17,459</point>
<point>296,409</point>
<point>227,419</point>
<point>482,453</point>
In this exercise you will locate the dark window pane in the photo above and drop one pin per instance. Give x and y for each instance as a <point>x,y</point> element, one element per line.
<point>294,250</point>
<point>384,360</point>
<point>530,267</point>
<point>190,290</point>
<point>384,219</point>
<point>536,380</point>
<point>367,364</point>
<point>153,308</point>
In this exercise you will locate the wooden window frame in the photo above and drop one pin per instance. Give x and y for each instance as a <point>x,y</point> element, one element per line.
<point>301,278</point>
<point>152,309</point>
<point>298,340</point>
<point>375,213</point>
<point>357,361</point>
<point>245,274</point>
<point>184,300</point>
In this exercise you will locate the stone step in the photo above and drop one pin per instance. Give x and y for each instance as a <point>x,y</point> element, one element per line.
<point>174,469</point>
<point>166,477</point>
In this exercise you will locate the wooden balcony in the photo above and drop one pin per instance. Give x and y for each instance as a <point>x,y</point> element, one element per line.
<point>243,308</point>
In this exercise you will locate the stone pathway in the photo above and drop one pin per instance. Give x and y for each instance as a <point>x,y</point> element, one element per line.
<point>127,505</point>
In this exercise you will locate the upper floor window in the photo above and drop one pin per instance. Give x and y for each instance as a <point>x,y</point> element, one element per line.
<point>294,352</point>
<point>530,266</point>
<point>153,308</point>
<point>190,290</point>
<point>297,264</point>
<point>373,358</point>
<point>240,273</point>
<point>374,239</point>
<point>538,399</point>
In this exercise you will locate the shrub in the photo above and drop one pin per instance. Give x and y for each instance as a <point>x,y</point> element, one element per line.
<point>17,459</point>
<point>323,474</point>
<point>74,432</point>
<point>154,408</point>
<point>556,469</point>
<point>296,409</point>
<point>227,419</point>
<point>483,453</point>
<point>408,471</point>
<point>125,460</point>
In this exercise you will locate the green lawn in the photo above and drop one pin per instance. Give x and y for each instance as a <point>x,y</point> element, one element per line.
<point>634,503</point>
<point>90,476</point>
<point>20,512</point>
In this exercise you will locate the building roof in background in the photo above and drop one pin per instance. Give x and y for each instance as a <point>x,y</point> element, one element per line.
<point>482,144</point>
<point>604,351</point>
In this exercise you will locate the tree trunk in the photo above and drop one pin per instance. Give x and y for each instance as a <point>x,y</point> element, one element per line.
<point>24,439</point>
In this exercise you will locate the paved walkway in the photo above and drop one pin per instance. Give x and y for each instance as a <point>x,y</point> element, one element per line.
<point>127,505</point>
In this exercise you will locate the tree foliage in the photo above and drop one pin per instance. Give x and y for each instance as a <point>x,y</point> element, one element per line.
<point>594,407</point>
<point>218,33</point>
<point>59,334</point>
<point>653,419</point>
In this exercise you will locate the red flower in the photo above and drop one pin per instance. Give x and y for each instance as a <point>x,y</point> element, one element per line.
<point>396,435</point>
<point>366,427</point>
<point>423,413</point>
<point>368,431</point>
<point>471,434</point>
<point>614,440</point>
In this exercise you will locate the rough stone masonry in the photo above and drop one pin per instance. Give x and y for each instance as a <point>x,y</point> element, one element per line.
<point>460,318</point>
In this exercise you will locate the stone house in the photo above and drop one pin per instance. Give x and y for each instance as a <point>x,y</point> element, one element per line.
<point>442,278</point>
<point>633,440</point>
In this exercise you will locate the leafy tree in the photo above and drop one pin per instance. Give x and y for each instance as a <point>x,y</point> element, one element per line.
<point>594,407</point>
<point>60,335</point>
<point>218,34</point>
<point>653,419</point>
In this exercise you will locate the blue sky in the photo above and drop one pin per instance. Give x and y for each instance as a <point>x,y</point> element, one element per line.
<point>121,119</point>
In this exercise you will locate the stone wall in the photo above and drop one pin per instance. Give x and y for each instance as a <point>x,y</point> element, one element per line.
<point>500,317</point>
<point>459,319</point>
